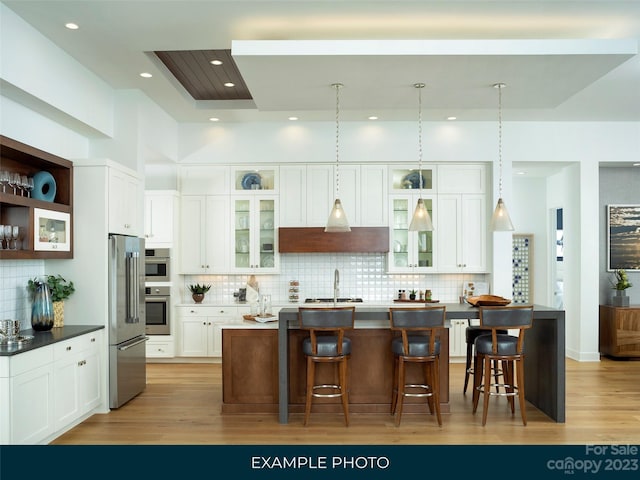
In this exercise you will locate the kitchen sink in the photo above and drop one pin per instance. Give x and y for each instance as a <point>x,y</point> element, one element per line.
<point>330,300</point>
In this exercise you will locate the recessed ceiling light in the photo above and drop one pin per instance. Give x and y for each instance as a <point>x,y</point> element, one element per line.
<point>373,117</point>
<point>293,118</point>
<point>521,173</point>
<point>452,118</point>
<point>216,62</point>
<point>636,164</point>
<point>146,75</point>
<point>214,119</point>
<point>72,26</point>
<point>229,84</point>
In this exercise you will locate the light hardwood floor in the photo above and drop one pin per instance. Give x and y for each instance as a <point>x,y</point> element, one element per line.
<point>181,406</point>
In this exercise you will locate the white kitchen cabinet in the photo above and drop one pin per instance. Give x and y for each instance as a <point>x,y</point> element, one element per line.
<point>461,178</point>
<point>461,233</point>
<point>160,346</point>
<point>409,252</point>
<point>204,238</point>
<point>199,336</point>
<point>307,194</point>
<point>125,193</point>
<point>457,338</point>
<point>254,246</point>
<point>406,178</point>
<point>159,208</point>
<point>373,198</point>
<point>203,180</point>
<point>264,179</point>
<point>27,408</point>
<point>77,378</point>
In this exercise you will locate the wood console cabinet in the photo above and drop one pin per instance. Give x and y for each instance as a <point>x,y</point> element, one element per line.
<point>620,331</point>
<point>17,157</point>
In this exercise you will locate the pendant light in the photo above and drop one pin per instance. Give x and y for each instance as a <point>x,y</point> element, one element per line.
<point>500,221</point>
<point>337,221</point>
<point>421,221</point>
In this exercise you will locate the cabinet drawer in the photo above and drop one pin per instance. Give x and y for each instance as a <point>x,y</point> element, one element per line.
<point>30,360</point>
<point>68,348</point>
<point>160,349</point>
<point>208,311</point>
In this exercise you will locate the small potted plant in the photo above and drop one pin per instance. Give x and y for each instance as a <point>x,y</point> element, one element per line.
<point>60,290</point>
<point>412,295</point>
<point>198,291</point>
<point>621,283</point>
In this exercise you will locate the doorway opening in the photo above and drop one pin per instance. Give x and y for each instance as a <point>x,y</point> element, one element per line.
<point>557,259</point>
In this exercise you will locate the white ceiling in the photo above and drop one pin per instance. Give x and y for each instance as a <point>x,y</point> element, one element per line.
<point>561,60</point>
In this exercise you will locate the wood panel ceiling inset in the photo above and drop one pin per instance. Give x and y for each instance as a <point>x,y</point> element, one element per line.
<point>204,81</point>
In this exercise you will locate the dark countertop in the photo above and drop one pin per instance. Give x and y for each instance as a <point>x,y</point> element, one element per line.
<point>42,339</point>
<point>454,311</point>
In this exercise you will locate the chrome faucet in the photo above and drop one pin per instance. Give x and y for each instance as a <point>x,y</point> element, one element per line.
<point>336,286</point>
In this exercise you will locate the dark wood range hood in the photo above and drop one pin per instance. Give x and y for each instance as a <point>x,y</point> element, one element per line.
<point>316,240</point>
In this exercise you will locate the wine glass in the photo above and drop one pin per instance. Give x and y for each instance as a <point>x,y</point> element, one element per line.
<point>30,185</point>
<point>13,179</point>
<point>1,237</point>
<point>7,231</point>
<point>15,234</point>
<point>4,180</point>
<point>24,184</point>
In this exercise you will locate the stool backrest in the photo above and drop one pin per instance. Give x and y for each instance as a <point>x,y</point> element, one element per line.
<point>327,321</point>
<point>320,318</point>
<point>518,317</point>
<point>426,321</point>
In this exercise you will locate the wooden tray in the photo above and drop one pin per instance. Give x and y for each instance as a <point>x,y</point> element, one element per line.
<point>488,301</point>
<point>257,318</point>
<point>416,301</point>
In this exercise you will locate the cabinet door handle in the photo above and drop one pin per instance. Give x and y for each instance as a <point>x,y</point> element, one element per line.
<point>69,348</point>
<point>204,323</point>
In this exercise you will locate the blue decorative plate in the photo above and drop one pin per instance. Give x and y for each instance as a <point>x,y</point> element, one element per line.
<point>251,179</point>
<point>412,180</point>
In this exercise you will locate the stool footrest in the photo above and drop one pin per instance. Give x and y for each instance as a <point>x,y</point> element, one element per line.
<point>327,395</point>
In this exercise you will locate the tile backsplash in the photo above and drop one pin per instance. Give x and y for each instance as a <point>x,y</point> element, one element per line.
<point>14,298</point>
<point>361,275</point>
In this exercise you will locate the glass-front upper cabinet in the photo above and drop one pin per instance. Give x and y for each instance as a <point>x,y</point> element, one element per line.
<point>255,238</point>
<point>264,179</point>
<point>407,178</point>
<point>409,252</point>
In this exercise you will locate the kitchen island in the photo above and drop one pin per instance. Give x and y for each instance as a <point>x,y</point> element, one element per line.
<point>544,362</point>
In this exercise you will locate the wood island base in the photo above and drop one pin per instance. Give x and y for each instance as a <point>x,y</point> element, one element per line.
<point>250,373</point>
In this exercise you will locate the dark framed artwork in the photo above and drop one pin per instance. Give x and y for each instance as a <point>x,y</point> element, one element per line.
<point>623,237</point>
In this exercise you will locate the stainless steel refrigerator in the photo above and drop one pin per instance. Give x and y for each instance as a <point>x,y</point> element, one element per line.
<point>127,356</point>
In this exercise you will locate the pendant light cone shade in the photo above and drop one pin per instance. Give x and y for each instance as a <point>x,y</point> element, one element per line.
<point>501,222</point>
<point>421,221</point>
<point>337,221</point>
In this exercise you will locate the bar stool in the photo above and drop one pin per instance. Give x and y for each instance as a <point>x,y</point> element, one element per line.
<point>416,343</point>
<point>507,349</point>
<point>326,343</point>
<point>471,333</point>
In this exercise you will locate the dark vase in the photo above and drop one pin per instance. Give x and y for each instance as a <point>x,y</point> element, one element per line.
<point>412,296</point>
<point>42,316</point>
<point>620,299</point>
<point>198,297</point>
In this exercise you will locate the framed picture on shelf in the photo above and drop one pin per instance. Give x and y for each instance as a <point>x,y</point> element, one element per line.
<point>623,237</point>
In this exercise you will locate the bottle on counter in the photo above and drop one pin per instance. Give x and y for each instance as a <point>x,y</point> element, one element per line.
<point>427,295</point>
